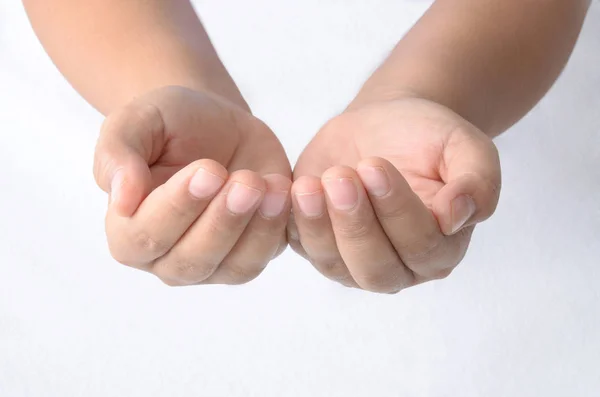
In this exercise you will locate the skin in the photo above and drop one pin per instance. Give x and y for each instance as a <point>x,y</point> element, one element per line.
<point>384,197</point>
<point>192,198</point>
<point>191,201</point>
<point>411,164</point>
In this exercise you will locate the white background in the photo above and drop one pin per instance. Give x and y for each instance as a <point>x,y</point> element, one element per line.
<point>520,317</point>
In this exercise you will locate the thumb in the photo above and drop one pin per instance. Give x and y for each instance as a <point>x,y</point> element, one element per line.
<point>471,172</point>
<point>130,139</point>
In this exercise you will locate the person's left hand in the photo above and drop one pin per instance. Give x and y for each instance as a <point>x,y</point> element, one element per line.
<point>386,195</point>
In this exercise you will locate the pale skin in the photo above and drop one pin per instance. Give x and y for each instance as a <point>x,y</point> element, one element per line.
<point>384,197</point>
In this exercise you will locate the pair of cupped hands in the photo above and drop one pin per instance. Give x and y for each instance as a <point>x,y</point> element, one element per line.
<point>384,197</point>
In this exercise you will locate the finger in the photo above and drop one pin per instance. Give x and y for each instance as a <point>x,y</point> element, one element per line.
<point>283,243</point>
<point>473,179</point>
<point>293,237</point>
<point>209,240</point>
<point>408,223</point>
<point>315,233</point>
<point>130,139</point>
<point>369,255</point>
<point>261,239</point>
<point>165,215</point>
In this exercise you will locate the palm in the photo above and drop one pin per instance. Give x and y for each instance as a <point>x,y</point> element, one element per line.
<point>198,126</point>
<point>412,134</point>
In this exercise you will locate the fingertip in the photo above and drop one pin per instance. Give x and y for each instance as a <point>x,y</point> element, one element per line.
<point>128,188</point>
<point>211,166</point>
<point>245,190</point>
<point>277,182</point>
<point>116,186</point>
<point>306,185</point>
<point>458,205</point>
<point>375,177</point>
<point>344,189</point>
<point>308,197</point>
<point>462,210</point>
<point>472,174</point>
<point>204,178</point>
<point>249,178</point>
<point>276,198</point>
<point>339,172</point>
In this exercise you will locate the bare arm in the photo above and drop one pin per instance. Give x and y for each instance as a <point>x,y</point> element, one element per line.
<point>114,50</point>
<point>488,60</point>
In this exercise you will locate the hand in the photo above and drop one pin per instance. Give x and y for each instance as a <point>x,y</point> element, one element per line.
<point>199,188</point>
<point>386,195</point>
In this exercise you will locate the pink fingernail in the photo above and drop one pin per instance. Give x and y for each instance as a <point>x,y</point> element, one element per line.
<point>241,198</point>
<point>204,184</point>
<point>115,186</point>
<point>273,204</point>
<point>375,180</point>
<point>312,205</point>
<point>462,209</point>
<point>342,193</point>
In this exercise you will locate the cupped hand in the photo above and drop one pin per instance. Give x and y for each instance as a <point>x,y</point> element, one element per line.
<point>199,188</point>
<point>386,195</point>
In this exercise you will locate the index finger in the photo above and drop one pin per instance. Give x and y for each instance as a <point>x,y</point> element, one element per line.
<point>409,224</point>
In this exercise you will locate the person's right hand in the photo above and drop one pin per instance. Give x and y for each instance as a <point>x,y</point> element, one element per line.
<point>199,188</point>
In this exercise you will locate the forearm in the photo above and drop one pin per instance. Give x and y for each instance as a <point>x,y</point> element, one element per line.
<point>488,60</point>
<point>114,50</point>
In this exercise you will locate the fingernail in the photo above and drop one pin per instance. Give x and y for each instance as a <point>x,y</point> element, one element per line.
<point>204,184</point>
<point>311,205</point>
<point>273,204</point>
<point>462,209</point>
<point>115,186</point>
<point>342,193</point>
<point>241,198</point>
<point>375,180</point>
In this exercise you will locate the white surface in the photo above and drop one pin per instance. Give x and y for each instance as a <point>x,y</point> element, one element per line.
<point>520,317</point>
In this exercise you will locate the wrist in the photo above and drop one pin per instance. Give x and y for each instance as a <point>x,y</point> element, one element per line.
<point>125,77</point>
<point>371,93</point>
<point>391,83</point>
<point>211,81</point>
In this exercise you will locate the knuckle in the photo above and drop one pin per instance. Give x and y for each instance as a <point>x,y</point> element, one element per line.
<point>177,209</point>
<point>121,252</point>
<point>221,226</point>
<point>147,115</point>
<point>378,283</point>
<point>356,229</point>
<point>310,235</point>
<point>395,212</point>
<point>423,249</point>
<point>441,274</point>
<point>171,283</point>
<point>385,278</point>
<point>119,255</point>
<point>141,241</point>
<point>238,274</point>
<point>493,186</point>
<point>334,270</point>
<point>395,292</point>
<point>265,232</point>
<point>184,271</point>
